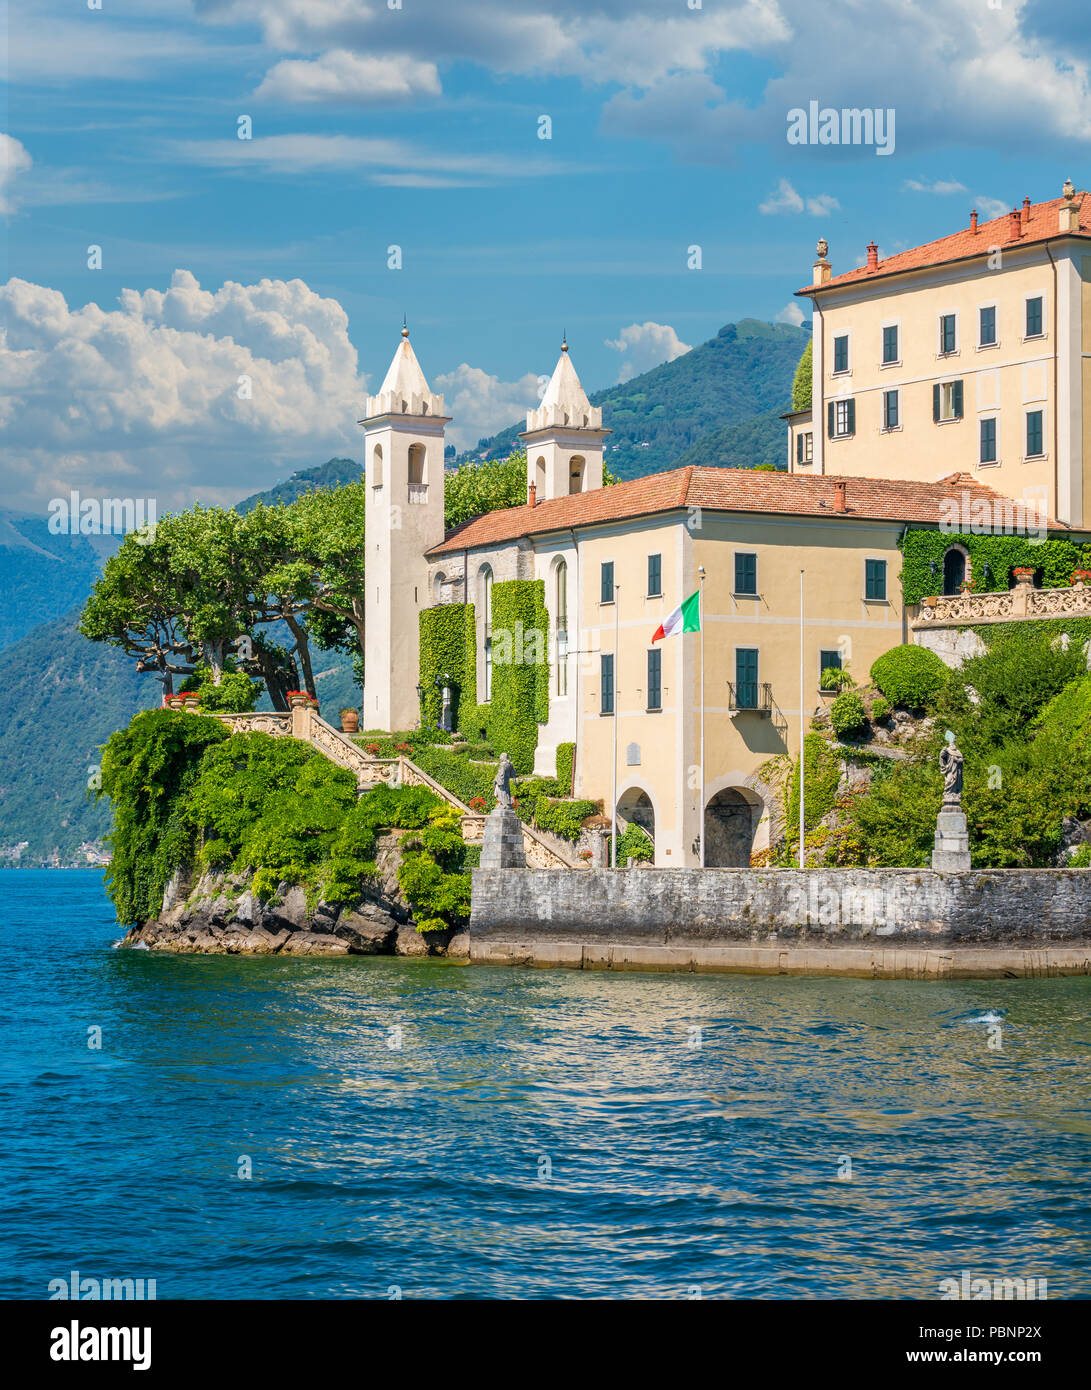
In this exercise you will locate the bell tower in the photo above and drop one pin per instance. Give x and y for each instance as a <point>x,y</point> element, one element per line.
<point>564,437</point>
<point>403,471</point>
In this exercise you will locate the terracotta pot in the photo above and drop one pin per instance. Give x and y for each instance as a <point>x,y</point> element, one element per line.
<point>1024,573</point>
<point>350,721</point>
<point>297,701</point>
<point>174,702</point>
<point>929,602</point>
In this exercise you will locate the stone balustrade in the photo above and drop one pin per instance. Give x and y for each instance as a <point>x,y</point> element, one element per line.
<point>1024,601</point>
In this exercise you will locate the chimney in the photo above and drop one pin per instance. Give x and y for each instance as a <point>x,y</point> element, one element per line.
<point>823,274</point>
<point>839,487</point>
<point>532,495</point>
<point>1016,229</point>
<point>973,220</point>
<point>872,256</point>
<point>1026,209</point>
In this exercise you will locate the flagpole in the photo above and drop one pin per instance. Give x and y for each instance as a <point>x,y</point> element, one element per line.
<point>613,783</point>
<point>802,732</point>
<point>701,621</point>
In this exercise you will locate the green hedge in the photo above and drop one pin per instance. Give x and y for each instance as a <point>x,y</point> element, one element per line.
<point>847,714</point>
<point>1054,560</point>
<point>566,760</point>
<point>455,772</point>
<point>447,648</point>
<point>563,818</point>
<point>910,676</point>
<point>520,669</point>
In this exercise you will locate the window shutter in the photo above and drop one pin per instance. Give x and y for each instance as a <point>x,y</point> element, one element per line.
<point>850,422</point>
<point>829,419</point>
<point>956,399</point>
<point>935,401</point>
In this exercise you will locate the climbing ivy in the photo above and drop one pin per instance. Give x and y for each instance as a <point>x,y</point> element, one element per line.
<point>1053,560</point>
<point>445,651</point>
<point>823,772</point>
<point>566,757</point>
<point>520,669</point>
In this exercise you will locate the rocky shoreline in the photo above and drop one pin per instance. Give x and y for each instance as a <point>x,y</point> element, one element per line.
<point>217,913</point>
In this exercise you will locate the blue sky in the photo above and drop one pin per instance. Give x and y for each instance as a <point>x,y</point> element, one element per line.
<point>418,126</point>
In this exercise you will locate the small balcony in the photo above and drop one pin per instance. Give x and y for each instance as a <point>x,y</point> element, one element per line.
<point>1007,605</point>
<point>418,494</point>
<point>750,697</point>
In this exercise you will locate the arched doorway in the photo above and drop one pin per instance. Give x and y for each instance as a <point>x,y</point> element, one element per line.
<point>731,817</point>
<point>634,807</point>
<point>954,570</point>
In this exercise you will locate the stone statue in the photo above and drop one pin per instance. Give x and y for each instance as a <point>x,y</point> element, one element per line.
<point>950,762</point>
<point>446,717</point>
<point>501,787</point>
<point>823,248</point>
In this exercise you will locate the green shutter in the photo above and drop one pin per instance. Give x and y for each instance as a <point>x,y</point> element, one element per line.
<point>850,422</point>
<point>935,401</point>
<point>829,419</point>
<point>956,402</point>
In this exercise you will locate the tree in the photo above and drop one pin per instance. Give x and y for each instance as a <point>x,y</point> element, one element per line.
<point>801,383</point>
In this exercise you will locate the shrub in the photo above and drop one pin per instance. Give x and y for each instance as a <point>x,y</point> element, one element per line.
<point>823,772</point>
<point>634,844</point>
<point>460,777</point>
<point>563,818</point>
<point>479,752</point>
<point>847,714</point>
<point>880,708</point>
<point>1022,669</point>
<point>836,678</point>
<point>1080,857</point>
<point>910,676</point>
<point>236,693</point>
<point>566,757</point>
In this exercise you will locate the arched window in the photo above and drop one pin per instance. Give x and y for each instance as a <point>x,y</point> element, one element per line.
<point>954,569</point>
<point>560,618</point>
<point>377,466</point>
<point>540,479</point>
<point>486,631</point>
<point>437,587</point>
<point>577,469</point>
<point>416,465</point>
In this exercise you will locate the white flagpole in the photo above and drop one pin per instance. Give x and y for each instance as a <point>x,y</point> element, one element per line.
<point>613,784</point>
<point>701,621</point>
<point>802,729</point>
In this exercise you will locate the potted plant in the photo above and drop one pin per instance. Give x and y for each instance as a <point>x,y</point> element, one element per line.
<point>173,701</point>
<point>966,587</point>
<point>1024,574</point>
<point>297,698</point>
<point>191,700</point>
<point>1081,577</point>
<point>350,721</point>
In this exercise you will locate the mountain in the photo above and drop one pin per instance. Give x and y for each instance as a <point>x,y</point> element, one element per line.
<point>738,381</point>
<point>330,474</point>
<point>43,575</point>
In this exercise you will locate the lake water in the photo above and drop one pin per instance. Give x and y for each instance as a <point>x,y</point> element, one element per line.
<point>446,1130</point>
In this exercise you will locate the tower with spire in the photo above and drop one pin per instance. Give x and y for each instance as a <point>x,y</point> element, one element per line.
<point>564,437</point>
<point>403,469</point>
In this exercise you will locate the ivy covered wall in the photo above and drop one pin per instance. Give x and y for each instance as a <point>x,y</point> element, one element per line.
<point>992,559</point>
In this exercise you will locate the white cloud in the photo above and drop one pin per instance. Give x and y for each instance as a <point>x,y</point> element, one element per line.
<point>645,346</point>
<point>784,198</point>
<point>991,207</point>
<point>937,186</point>
<point>481,405</point>
<point>791,313</point>
<point>144,400</point>
<point>14,160</point>
<point>341,76</point>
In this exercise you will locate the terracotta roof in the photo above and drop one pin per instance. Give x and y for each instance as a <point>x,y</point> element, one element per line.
<point>733,490</point>
<point>1041,225</point>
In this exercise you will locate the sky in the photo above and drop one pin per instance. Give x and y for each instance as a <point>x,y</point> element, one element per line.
<point>397,164</point>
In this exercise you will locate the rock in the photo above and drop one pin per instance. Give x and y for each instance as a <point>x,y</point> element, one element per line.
<point>367,935</point>
<point>458,948</point>
<point>409,942</point>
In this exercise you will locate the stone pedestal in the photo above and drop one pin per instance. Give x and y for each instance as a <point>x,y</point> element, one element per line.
<point>951,852</point>
<point>502,846</point>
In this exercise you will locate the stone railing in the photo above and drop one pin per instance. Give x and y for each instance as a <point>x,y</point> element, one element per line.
<point>260,722</point>
<point>1024,601</point>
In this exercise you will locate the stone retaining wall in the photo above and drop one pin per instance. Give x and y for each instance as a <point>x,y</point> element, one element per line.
<point>895,922</point>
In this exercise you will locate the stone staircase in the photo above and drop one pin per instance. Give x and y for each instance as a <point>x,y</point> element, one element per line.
<point>304,723</point>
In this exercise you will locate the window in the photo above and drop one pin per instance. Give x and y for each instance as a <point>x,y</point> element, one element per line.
<point>655,678</point>
<point>746,573</point>
<point>947,400</point>
<point>804,446</point>
<point>655,576</point>
<point>841,353</point>
<point>746,677</point>
<point>1034,317</point>
<point>986,326</point>
<point>988,441</point>
<point>1034,434</point>
<point>841,419</point>
<point>606,582</point>
<point>890,410</point>
<point>828,658</point>
<point>947,334</point>
<point>486,611</point>
<point>875,579</point>
<point>890,344</point>
<point>606,683</point>
<point>562,628</point>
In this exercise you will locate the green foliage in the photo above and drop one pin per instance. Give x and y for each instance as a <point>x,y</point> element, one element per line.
<point>847,714</point>
<point>473,488</point>
<point>148,772</point>
<point>801,382</point>
<point>880,708</point>
<point>1053,559</point>
<point>433,875</point>
<point>1080,857</point>
<point>563,818</point>
<point>896,819</point>
<point>566,759</point>
<point>444,652</point>
<point>910,676</point>
<point>836,678</point>
<point>236,693</point>
<point>634,844</point>
<point>823,772</point>
<point>481,752</point>
<point>520,680</point>
<point>459,776</point>
<point>1020,672</point>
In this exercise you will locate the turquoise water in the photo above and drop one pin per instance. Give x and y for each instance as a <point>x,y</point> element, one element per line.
<point>536,1134</point>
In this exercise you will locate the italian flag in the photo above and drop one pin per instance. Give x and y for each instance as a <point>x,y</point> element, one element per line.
<point>684,619</point>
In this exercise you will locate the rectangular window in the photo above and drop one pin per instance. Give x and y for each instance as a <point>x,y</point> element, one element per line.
<point>746,677</point>
<point>946,333</point>
<point>1034,317</point>
<point>1034,434</point>
<point>875,579</point>
<point>947,400</point>
<point>488,669</point>
<point>890,410</point>
<point>828,658</point>
<point>804,446</point>
<point>746,573</point>
<point>841,419</point>
<point>655,576</point>
<point>606,683</point>
<point>986,333</point>
<point>841,353</point>
<point>606,582</point>
<point>655,678</point>
<point>988,441</point>
<point>890,344</point>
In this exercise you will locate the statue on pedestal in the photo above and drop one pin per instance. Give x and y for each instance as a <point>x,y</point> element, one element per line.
<point>502,845</point>
<point>950,763</point>
<point>501,787</point>
<point>951,852</point>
